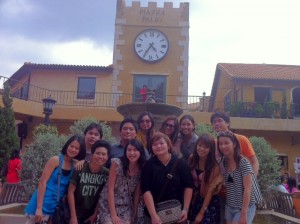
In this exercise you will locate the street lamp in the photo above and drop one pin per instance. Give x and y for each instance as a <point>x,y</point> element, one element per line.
<point>203,97</point>
<point>48,105</point>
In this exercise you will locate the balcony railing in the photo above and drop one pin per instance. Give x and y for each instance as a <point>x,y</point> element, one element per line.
<point>263,110</point>
<point>101,99</point>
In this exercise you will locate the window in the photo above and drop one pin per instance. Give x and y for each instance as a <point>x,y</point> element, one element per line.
<point>227,102</point>
<point>262,94</point>
<point>86,88</point>
<point>22,93</point>
<point>147,85</point>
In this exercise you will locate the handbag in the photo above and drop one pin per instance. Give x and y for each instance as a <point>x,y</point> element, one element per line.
<point>62,211</point>
<point>168,211</point>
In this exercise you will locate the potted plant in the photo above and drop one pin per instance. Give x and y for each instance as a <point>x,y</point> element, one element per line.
<point>258,110</point>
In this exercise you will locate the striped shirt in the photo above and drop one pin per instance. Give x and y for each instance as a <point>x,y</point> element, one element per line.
<point>235,187</point>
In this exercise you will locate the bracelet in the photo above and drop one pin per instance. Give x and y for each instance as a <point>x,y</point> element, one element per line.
<point>185,209</point>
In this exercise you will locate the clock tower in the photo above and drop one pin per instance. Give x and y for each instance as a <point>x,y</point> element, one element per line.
<point>151,46</point>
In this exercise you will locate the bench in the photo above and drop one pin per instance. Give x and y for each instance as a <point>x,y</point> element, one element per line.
<point>13,193</point>
<point>280,202</point>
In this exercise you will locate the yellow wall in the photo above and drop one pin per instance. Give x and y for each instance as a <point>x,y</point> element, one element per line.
<point>173,22</point>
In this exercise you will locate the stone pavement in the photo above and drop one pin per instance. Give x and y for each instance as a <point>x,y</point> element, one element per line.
<point>12,219</point>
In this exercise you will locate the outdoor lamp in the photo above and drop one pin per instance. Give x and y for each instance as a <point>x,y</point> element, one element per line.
<point>48,104</point>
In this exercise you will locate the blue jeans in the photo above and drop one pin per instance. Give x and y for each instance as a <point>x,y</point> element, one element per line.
<point>234,214</point>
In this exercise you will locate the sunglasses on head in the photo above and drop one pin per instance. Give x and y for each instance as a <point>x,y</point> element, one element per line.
<point>225,133</point>
<point>230,178</point>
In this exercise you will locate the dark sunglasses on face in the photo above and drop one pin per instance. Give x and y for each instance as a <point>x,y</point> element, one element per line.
<point>145,121</point>
<point>230,178</point>
<point>168,126</point>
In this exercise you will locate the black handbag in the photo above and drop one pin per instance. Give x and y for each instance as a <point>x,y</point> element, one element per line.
<point>62,211</point>
<point>168,211</point>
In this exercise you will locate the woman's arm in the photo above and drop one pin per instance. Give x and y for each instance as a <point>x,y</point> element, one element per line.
<point>214,180</point>
<point>136,199</point>
<point>71,201</point>
<point>111,197</point>
<point>187,197</point>
<point>247,183</point>
<point>48,169</point>
<point>149,202</point>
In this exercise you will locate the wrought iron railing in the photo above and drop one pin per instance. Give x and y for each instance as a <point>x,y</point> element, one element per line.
<point>263,110</point>
<point>100,99</point>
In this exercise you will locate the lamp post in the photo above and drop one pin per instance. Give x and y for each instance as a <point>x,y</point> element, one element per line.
<point>48,105</point>
<point>203,98</point>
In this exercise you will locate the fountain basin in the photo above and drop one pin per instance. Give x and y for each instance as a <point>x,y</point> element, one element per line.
<point>159,110</point>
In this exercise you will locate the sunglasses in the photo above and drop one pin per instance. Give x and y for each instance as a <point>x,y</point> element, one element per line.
<point>230,178</point>
<point>168,126</point>
<point>145,121</point>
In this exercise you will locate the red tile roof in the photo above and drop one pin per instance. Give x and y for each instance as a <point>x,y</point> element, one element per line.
<point>28,66</point>
<point>261,71</point>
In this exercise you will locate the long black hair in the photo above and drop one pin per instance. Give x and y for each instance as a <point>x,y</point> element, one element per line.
<point>151,130</point>
<point>237,149</point>
<point>141,161</point>
<point>175,133</point>
<point>208,141</point>
<point>79,139</point>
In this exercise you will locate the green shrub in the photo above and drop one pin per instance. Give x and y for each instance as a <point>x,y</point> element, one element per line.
<point>34,158</point>
<point>205,128</point>
<point>43,129</point>
<point>269,164</point>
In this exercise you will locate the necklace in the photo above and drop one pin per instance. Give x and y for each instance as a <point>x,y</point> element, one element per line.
<point>167,162</point>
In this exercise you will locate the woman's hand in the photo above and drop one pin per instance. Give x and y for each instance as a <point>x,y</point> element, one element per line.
<point>116,220</point>
<point>73,220</point>
<point>183,216</point>
<point>92,219</point>
<point>38,215</point>
<point>198,218</point>
<point>79,165</point>
<point>155,219</point>
<point>243,218</point>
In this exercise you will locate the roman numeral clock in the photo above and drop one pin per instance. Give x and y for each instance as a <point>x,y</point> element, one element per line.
<point>151,45</point>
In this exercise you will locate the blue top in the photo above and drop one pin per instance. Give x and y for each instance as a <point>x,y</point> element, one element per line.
<point>50,197</point>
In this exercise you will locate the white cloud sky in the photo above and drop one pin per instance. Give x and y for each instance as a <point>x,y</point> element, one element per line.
<point>233,31</point>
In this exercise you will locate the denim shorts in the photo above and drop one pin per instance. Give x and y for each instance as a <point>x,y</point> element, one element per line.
<point>234,214</point>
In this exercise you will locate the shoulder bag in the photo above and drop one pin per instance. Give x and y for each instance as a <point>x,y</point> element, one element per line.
<point>62,211</point>
<point>168,211</point>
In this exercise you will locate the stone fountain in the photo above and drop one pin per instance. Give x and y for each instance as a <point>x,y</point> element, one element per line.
<point>159,110</point>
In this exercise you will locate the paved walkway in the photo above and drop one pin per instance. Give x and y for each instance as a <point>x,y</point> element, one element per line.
<point>12,219</point>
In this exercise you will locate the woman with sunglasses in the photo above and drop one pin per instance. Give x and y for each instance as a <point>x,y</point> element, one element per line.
<point>239,181</point>
<point>170,127</point>
<point>146,128</point>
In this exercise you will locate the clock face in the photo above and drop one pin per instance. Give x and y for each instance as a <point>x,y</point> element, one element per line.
<point>151,45</point>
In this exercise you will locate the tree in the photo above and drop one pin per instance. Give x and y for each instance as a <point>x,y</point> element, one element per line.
<point>8,136</point>
<point>269,164</point>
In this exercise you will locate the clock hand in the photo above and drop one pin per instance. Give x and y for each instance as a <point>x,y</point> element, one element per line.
<point>153,47</point>
<point>147,50</point>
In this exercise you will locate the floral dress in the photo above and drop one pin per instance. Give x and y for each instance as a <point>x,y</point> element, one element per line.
<point>212,214</point>
<point>123,196</point>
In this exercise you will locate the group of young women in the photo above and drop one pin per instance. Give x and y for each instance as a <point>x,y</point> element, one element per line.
<point>182,166</point>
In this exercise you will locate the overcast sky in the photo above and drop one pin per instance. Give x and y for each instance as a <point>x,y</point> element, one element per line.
<point>81,32</point>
